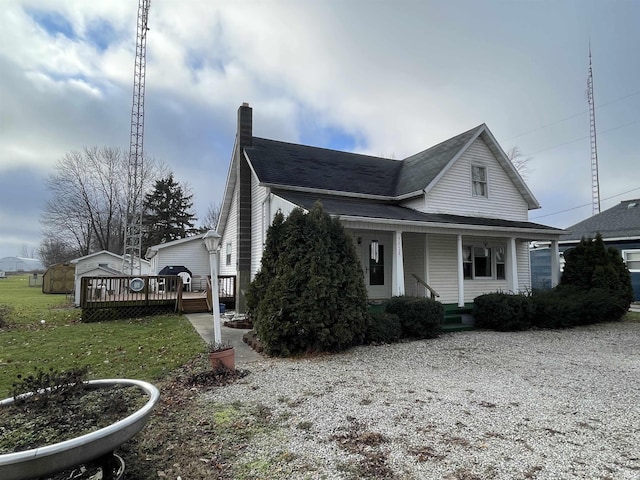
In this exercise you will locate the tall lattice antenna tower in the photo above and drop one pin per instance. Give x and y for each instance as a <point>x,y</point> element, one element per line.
<point>595,181</point>
<point>133,228</point>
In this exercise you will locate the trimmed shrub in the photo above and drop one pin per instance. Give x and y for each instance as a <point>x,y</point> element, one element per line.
<point>383,327</point>
<point>569,306</point>
<point>503,312</point>
<point>309,295</point>
<point>556,308</point>
<point>419,317</point>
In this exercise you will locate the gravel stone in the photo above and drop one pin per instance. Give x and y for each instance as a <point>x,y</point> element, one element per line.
<point>543,404</point>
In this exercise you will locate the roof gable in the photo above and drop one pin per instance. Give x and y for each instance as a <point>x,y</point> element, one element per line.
<point>305,168</point>
<point>620,221</point>
<point>422,169</point>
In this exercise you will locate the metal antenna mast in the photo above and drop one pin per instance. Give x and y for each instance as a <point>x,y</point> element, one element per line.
<point>595,182</point>
<point>133,228</point>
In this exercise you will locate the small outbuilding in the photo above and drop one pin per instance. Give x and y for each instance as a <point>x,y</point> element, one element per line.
<point>59,278</point>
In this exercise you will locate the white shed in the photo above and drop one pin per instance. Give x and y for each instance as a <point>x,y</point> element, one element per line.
<point>100,264</point>
<point>189,252</point>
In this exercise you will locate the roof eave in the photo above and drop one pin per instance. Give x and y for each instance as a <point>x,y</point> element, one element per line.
<point>458,226</point>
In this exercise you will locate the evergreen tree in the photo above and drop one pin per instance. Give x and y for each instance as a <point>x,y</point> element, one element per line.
<point>591,265</point>
<point>309,294</point>
<point>168,213</point>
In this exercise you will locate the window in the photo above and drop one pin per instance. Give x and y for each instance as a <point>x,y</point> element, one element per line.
<point>483,262</point>
<point>467,263</point>
<point>228,253</point>
<point>632,259</point>
<point>479,181</point>
<point>376,263</point>
<point>500,263</point>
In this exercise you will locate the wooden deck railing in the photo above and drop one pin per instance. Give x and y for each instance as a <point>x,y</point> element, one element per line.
<point>98,292</point>
<point>145,293</point>
<point>226,290</point>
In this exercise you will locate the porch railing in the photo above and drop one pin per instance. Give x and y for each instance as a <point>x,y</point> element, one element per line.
<point>419,281</point>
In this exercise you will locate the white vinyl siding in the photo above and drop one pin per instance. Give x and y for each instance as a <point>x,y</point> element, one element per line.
<point>282,205</point>
<point>453,192</point>
<point>230,235</point>
<point>524,265</point>
<point>413,248</point>
<point>192,254</point>
<point>258,196</point>
<point>416,203</point>
<point>443,267</point>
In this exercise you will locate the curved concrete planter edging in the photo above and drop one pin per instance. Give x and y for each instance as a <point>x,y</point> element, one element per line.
<point>76,451</point>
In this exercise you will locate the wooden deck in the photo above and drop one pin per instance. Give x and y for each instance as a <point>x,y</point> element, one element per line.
<point>103,298</point>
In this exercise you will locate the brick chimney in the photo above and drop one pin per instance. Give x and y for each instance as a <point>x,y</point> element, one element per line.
<point>244,140</point>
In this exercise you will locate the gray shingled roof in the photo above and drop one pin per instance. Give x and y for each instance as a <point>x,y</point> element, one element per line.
<point>620,221</point>
<point>301,167</point>
<point>281,163</point>
<point>343,206</point>
<point>421,169</point>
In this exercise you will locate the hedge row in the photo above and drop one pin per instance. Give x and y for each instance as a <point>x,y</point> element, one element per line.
<point>562,307</point>
<point>405,317</point>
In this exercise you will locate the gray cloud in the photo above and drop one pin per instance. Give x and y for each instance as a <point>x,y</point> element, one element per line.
<point>385,78</point>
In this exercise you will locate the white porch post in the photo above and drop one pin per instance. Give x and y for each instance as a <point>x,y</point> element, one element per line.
<point>460,274</point>
<point>555,263</point>
<point>513,265</point>
<point>397,277</point>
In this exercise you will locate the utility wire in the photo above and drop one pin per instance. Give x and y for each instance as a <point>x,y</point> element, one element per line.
<point>583,138</point>
<point>572,116</point>
<point>585,205</point>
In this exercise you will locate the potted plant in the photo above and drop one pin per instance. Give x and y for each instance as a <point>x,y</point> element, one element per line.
<point>222,354</point>
<point>61,395</point>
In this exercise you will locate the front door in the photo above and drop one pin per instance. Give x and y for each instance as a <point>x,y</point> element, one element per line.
<point>375,257</point>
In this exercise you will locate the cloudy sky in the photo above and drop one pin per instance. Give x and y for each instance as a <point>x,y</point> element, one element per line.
<point>387,78</point>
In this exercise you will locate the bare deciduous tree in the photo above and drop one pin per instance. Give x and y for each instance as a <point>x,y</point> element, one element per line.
<point>210,220</point>
<point>52,251</point>
<point>519,161</point>
<point>88,202</point>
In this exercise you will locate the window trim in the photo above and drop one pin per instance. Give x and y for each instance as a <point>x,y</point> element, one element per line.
<point>228,253</point>
<point>493,261</point>
<point>624,258</point>
<point>484,182</point>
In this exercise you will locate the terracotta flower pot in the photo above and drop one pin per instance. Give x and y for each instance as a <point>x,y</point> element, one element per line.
<point>225,357</point>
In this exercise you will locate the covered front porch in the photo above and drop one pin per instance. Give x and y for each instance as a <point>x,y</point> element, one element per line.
<point>453,265</point>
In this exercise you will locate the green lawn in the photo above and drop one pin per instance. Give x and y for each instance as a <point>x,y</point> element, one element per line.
<point>144,348</point>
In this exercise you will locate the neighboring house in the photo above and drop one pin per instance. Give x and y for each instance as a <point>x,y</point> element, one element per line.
<point>189,252</point>
<point>100,264</point>
<point>455,215</point>
<point>619,227</point>
<point>21,265</point>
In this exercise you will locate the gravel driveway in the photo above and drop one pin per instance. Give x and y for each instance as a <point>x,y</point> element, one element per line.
<point>470,405</point>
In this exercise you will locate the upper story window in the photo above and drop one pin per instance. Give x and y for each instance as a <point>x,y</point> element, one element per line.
<point>228,254</point>
<point>479,181</point>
